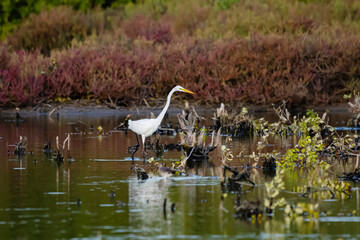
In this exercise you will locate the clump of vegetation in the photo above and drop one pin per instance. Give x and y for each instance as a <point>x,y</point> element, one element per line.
<point>20,147</point>
<point>354,108</point>
<point>234,124</point>
<point>55,29</point>
<point>47,149</point>
<point>263,159</point>
<point>269,166</point>
<point>193,140</point>
<point>147,29</point>
<point>235,181</point>
<point>305,153</point>
<point>58,155</point>
<point>309,124</point>
<point>110,55</point>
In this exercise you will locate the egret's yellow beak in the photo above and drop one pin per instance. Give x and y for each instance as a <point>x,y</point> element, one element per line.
<point>185,90</point>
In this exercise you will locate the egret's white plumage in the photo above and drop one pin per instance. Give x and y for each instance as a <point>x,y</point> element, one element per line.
<point>146,127</point>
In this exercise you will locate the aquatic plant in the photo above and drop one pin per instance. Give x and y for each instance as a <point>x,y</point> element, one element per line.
<point>58,155</point>
<point>47,149</point>
<point>234,124</point>
<point>283,126</point>
<point>193,140</point>
<point>305,153</point>
<point>354,108</point>
<point>20,147</point>
<point>236,180</point>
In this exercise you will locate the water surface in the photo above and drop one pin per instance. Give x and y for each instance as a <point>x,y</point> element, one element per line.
<point>96,194</point>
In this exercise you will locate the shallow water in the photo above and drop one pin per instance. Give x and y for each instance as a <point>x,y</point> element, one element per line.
<point>98,195</point>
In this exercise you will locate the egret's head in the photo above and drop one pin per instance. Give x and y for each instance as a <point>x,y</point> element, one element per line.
<point>181,89</point>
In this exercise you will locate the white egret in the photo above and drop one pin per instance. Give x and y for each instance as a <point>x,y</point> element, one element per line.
<point>146,127</point>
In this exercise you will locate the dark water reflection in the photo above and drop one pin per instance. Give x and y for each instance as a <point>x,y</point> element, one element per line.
<point>97,195</point>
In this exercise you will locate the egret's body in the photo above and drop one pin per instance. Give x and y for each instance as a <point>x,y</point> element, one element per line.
<point>146,127</point>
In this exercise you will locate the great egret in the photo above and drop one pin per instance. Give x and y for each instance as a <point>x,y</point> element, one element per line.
<point>146,127</point>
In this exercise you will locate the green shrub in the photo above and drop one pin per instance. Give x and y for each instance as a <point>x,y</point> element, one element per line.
<point>55,29</point>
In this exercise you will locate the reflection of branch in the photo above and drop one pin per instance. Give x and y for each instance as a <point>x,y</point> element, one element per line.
<point>313,175</point>
<point>237,177</point>
<point>83,123</point>
<point>167,129</point>
<point>183,163</point>
<point>320,189</point>
<point>357,158</point>
<point>67,140</point>
<point>52,111</point>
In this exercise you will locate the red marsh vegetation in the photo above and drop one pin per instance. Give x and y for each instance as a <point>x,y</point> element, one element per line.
<point>236,52</point>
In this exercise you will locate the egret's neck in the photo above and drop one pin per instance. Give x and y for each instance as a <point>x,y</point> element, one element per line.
<point>162,114</point>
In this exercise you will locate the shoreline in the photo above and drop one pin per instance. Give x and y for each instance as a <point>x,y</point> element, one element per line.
<point>75,109</point>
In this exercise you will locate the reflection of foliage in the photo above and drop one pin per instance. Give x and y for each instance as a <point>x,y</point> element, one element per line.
<point>325,188</point>
<point>273,189</point>
<point>354,176</point>
<point>227,155</point>
<point>303,209</point>
<point>248,210</point>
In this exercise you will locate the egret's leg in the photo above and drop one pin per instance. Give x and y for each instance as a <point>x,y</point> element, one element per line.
<point>135,147</point>
<point>144,147</point>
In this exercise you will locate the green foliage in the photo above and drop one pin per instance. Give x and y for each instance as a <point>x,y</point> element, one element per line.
<point>311,123</point>
<point>12,12</point>
<point>305,153</point>
<point>55,29</point>
<point>225,4</point>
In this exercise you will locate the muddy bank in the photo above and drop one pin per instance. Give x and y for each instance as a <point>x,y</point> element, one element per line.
<point>93,110</point>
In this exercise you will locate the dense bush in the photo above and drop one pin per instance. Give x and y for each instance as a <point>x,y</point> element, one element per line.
<point>261,70</point>
<point>13,12</point>
<point>258,52</point>
<point>55,29</point>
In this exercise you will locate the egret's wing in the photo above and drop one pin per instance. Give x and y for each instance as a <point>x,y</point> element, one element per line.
<point>143,126</point>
